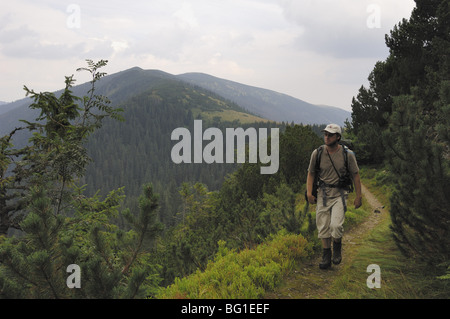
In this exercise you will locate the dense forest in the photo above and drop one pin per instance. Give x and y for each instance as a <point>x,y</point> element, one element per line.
<point>402,120</point>
<point>199,204</point>
<point>130,153</point>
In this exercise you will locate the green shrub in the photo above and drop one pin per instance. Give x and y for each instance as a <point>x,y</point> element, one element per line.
<point>246,274</point>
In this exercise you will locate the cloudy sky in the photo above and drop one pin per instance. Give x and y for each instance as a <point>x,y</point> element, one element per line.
<point>320,51</point>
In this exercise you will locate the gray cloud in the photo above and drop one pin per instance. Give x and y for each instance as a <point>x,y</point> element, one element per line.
<point>339,28</point>
<point>22,42</point>
<point>12,35</point>
<point>26,48</point>
<point>298,47</point>
<point>344,44</point>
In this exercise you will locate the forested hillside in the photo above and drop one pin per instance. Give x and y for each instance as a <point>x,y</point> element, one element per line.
<point>402,119</point>
<point>128,244</point>
<point>122,86</point>
<point>138,150</point>
<point>130,153</point>
<point>246,209</point>
<point>199,204</point>
<point>269,104</point>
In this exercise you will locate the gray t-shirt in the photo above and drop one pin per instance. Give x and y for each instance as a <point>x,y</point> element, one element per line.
<point>327,172</point>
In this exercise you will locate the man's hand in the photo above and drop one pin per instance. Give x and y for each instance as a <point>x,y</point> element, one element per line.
<point>311,199</point>
<point>358,199</point>
<point>358,202</point>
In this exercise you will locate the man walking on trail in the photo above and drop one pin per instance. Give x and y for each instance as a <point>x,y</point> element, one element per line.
<point>337,167</point>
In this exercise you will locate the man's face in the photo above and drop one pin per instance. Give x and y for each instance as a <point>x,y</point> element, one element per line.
<point>330,139</point>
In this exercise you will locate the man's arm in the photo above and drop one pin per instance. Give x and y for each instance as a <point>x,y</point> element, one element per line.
<point>357,181</point>
<point>309,188</point>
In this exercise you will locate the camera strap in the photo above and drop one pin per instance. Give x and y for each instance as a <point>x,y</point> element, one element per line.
<point>340,189</point>
<point>333,165</point>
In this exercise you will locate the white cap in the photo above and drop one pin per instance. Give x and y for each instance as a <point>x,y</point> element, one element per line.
<point>333,129</point>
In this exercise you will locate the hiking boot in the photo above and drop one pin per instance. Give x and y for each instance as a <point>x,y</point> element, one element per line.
<point>326,259</point>
<point>337,257</point>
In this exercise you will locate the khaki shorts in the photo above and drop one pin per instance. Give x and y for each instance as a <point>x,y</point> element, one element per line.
<point>330,218</point>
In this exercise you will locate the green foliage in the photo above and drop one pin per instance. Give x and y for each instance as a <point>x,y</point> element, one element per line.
<point>192,242</point>
<point>401,278</point>
<point>418,58</point>
<point>59,225</point>
<point>403,119</point>
<point>30,268</point>
<point>119,150</point>
<point>296,146</point>
<point>119,250</point>
<point>245,274</point>
<point>419,204</point>
<point>55,154</point>
<point>247,209</point>
<point>113,262</point>
<point>116,263</point>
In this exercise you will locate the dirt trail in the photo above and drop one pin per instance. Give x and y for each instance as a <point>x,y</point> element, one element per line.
<point>310,282</point>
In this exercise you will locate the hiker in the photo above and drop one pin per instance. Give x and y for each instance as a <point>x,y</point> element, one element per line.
<point>334,178</point>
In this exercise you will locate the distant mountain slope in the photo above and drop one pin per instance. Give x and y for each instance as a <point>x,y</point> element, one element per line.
<point>137,151</point>
<point>119,88</point>
<point>123,85</point>
<point>131,153</point>
<point>269,104</point>
<point>6,107</point>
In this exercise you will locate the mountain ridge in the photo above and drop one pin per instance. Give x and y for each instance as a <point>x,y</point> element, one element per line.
<point>265,103</point>
<point>119,87</point>
<point>268,103</point>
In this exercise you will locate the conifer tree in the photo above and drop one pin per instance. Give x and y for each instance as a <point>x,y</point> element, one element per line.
<point>418,135</point>
<point>55,152</point>
<point>59,225</point>
<point>408,102</point>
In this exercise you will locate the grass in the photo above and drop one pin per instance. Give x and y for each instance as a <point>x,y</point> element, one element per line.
<point>228,116</point>
<point>378,182</point>
<point>278,267</point>
<point>245,274</point>
<point>401,278</point>
<point>377,249</point>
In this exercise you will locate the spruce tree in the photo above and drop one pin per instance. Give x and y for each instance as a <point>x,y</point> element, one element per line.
<point>409,103</point>
<point>59,225</point>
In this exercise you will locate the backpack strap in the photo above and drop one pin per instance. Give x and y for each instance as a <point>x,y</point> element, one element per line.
<point>346,150</point>
<point>321,183</point>
<point>319,154</point>
<point>345,155</point>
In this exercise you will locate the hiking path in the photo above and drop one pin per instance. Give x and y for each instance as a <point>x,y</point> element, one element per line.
<point>307,281</point>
